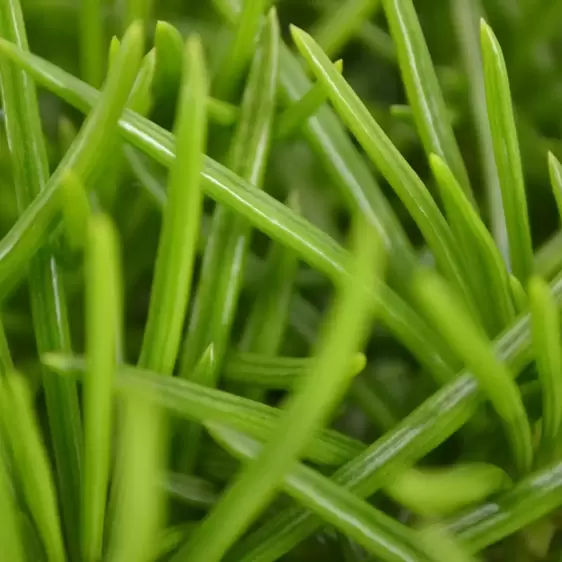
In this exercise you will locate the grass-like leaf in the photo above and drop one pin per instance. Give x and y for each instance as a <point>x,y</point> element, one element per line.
<point>92,42</point>
<point>483,263</point>
<point>468,341</point>
<point>303,415</point>
<point>446,296</point>
<point>424,93</point>
<point>555,170</point>
<point>439,416</point>
<point>240,50</point>
<point>169,58</point>
<point>378,533</point>
<point>169,61</point>
<point>191,490</point>
<point>225,254</point>
<point>338,26</point>
<point>545,323</point>
<point>466,17</point>
<point>520,297</point>
<point>178,241</point>
<point>292,119</point>
<point>438,492</point>
<point>531,499</point>
<point>30,459</point>
<point>196,402</point>
<point>271,371</point>
<point>139,477</point>
<point>312,245</point>
<point>508,158</point>
<point>268,318</point>
<point>103,304</point>
<point>273,218</point>
<point>442,546</point>
<point>76,210</point>
<point>10,532</point>
<point>89,149</point>
<point>341,160</point>
<point>137,10</point>
<point>227,245</point>
<point>204,373</point>
<point>30,171</point>
<point>387,158</point>
<point>449,407</point>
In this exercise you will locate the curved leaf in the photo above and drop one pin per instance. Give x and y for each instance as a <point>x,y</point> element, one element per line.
<point>103,319</point>
<point>424,93</point>
<point>180,228</point>
<point>387,158</point>
<point>303,415</point>
<point>508,158</point>
<point>449,316</point>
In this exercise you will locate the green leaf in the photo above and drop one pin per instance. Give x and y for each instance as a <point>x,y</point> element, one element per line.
<point>103,319</point>
<point>241,47</point>
<point>31,462</point>
<point>6,363</point>
<point>204,374</point>
<point>76,210</point>
<point>30,170</point>
<point>374,406</point>
<point>180,228</point>
<point>531,499</point>
<point>442,546</point>
<point>483,263</point>
<point>519,296</point>
<point>13,548</point>
<point>191,490</point>
<point>137,10</point>
<point>92,42</point>
<point>226,252</point>
<point>169,61</point>
<point>169,58</point>
<point>66,133</point>
<point>303,317</point>
<point>337,26</point>
<point>387,158</point>
<point>508,158</point>
<point>108,176</point>
<point>303,415</point>
<point>89,150</point>
<point>555,169</point>
<point>139,473</point>
<point>423,90</point>
<point>196,402</point>
<point>268,317</point>
<point>545,325</point>
<point>270,216</point>
<point>435,492</point>
<point>448,314</point>
<point>227,246</point>
<point>347,169</point>
<point>377,532</point>
<point>466,17</point>
<point>292,119</point>
<point>276,372</point>
<point>429,425</point>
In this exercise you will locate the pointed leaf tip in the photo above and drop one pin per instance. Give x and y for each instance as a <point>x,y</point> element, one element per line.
<point>358,364</point>
<point>297,33</point>
<point>488,37</point>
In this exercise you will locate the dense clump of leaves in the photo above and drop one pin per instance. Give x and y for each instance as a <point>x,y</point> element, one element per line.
<point>246,284</point>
